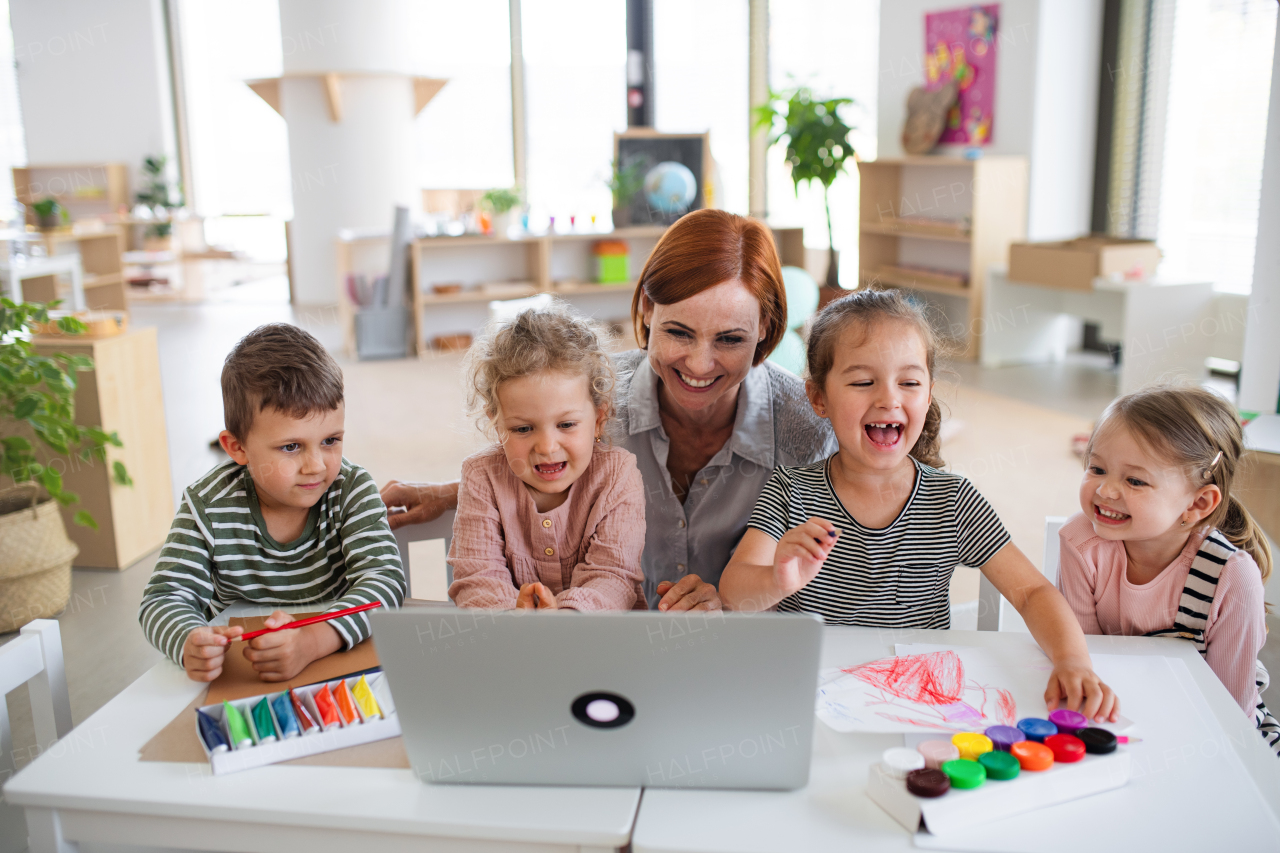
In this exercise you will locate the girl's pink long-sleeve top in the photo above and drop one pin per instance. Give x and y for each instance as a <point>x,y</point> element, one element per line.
<point>586,551</point>
<point>1093,580</point>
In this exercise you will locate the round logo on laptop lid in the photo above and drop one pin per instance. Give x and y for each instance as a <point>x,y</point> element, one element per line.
<point>602,710</point>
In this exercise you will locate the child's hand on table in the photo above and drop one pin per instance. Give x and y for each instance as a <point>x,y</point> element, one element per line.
<point>281,655</point>
<point>1078,688</point>
<point>206,649</point>
<point>801,552</point>
<point>535,596</point>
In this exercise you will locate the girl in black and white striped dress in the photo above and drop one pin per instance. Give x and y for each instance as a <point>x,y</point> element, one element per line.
<point>871,535</point>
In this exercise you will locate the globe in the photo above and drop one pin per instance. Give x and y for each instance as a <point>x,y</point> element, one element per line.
<point>670,188</point>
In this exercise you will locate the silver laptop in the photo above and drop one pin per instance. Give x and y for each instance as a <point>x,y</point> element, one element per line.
<point>697,700</point>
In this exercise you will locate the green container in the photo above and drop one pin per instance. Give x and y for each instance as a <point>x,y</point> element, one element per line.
<point>612,269</point>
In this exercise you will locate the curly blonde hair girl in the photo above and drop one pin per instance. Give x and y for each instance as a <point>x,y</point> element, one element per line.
<point>553,339</point>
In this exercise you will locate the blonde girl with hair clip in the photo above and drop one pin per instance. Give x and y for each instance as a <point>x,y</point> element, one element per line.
<point>551,516</point>
<point>1162,547</point>
<point>871,535</point>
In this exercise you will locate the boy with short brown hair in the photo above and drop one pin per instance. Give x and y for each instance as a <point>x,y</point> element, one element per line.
<point>287,520</point>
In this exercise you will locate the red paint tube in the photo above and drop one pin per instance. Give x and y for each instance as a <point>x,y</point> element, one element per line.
<point>328,710</point>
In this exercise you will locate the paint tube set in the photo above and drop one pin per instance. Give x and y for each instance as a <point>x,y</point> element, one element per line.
<point>258,730</point>
<point>974,778</point>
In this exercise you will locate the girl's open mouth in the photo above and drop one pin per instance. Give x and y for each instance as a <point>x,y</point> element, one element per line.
<point>884,434</point>
<point>550,470</point>
<point>1108,516</point>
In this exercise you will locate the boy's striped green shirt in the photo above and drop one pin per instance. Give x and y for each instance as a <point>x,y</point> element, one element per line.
<point>219,551</point>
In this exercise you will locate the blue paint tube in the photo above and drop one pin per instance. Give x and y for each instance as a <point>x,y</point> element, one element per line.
<point>211,733</point>
<point>285,717</point>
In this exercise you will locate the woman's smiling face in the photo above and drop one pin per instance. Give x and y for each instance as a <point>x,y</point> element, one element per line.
<point>702,347</point>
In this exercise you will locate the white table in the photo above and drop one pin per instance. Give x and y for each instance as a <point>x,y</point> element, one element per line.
<point>90,786</point>
<point>833,812</point>
<point>1163,327</point>
<point>13,275</point>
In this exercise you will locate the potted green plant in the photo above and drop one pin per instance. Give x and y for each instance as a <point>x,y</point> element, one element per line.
<point>39,439</point>
<point>49,213</point>
<point>624,182</point>
<point>163,198</point>
<point>818,146</point>
<point>500,206</point>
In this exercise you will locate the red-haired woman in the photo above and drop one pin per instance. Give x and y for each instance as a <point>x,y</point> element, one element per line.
<point>706,416</point>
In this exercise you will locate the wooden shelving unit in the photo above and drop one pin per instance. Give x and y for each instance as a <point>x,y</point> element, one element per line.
<point>936,224</point>
<point>100,257</point>
<point>86,190</point>
<point>560,264</point>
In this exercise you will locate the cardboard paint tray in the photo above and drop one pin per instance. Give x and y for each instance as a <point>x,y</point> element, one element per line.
<point>994,799</point>
<point>317,740</point>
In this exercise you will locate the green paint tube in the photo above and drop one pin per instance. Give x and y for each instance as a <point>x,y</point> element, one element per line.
<point>262,721</point>
<point>237,727</point>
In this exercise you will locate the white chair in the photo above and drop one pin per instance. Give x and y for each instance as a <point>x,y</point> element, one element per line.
<point>428,573</point>
<point>34,658</point>
<point>996,614</point>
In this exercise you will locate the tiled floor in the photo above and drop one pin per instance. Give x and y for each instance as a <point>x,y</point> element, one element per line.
<point>405,420</point>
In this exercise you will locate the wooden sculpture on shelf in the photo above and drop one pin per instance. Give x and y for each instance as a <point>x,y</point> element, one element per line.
<point>927,117</point>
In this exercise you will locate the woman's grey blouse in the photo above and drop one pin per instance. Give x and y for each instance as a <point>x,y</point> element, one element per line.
<point>775,426</point>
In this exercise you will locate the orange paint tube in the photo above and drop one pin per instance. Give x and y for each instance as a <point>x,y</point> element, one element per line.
<point>326,707</point>
<point>346,703</point>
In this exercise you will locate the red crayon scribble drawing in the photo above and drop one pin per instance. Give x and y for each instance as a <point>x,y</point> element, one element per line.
<point>931,687</point>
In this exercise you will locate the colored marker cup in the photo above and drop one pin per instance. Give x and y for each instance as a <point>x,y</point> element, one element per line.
<point>1037,729</point>
<point>929,782</point>
<point>999,765</point>
<point>971,745</point>
<point>937,752</point>
<point>965,773</point>
<point>1097,741</point>
<point>898,761</point>
<point>1032,755</point>
<point>1066,748</point>
<point>1068,721</point>
<point>1003,737</point>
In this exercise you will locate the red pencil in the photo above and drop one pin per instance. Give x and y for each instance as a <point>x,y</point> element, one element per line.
<point>313,620</point>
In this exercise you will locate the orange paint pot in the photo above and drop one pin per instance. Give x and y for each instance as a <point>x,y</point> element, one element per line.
<point>1032,756</point>
<point>327,708</point>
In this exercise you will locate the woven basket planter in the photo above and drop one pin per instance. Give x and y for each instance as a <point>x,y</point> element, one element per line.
<point>35,559</point>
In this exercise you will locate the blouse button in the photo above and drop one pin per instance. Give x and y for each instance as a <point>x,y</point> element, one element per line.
<point>680,567</point>
<point>680,522</point>
<point>704,482</point>
<point>546,522</point>
<point>550,552</point>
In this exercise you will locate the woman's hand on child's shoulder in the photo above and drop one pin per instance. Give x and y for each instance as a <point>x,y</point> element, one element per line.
<point>1076,686</point>
<point>801,552</point>
<point>535,596</point>
<point>205,651</point>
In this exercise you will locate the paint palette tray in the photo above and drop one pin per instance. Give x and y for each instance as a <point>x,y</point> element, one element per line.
<point>994,800</point>
<point>363,725</point>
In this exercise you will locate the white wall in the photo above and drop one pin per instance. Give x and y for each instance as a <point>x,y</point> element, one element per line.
<point>1046,97</point>
<point>93,81</point>
<point>1260,370</point>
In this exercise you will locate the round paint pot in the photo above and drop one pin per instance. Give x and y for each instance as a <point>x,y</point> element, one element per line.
<point>1068,721</point>
<point>1037,729</point>
<point>999,765</point>
<point>1066,748</point>
<point>1097,741</point>
<point>971,745</point>
<point>1003,737</point>
<point>965,773</point>
<point>1032,755</point>
<point>937,752</point>
<point>898,761</point>
<point>928,783</point>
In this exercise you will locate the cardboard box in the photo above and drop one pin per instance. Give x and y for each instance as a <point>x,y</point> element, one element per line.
<point>1074,264</point>
<point>994,800</point>
<point>317,740</point>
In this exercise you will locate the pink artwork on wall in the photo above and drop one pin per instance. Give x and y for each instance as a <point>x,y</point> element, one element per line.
<point>960,45</point>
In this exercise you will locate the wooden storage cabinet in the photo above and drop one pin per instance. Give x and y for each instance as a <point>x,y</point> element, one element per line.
<point>122,394</point>
<point>100,258</point>
<point>935,225</point>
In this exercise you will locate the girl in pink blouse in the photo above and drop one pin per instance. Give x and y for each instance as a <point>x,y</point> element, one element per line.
<point>550,516</point>
<point>1162,547</point>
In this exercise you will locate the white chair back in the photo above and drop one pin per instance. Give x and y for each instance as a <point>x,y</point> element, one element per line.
<point>422,553</point>
<point>34,658</point>
<point>996,614</point>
